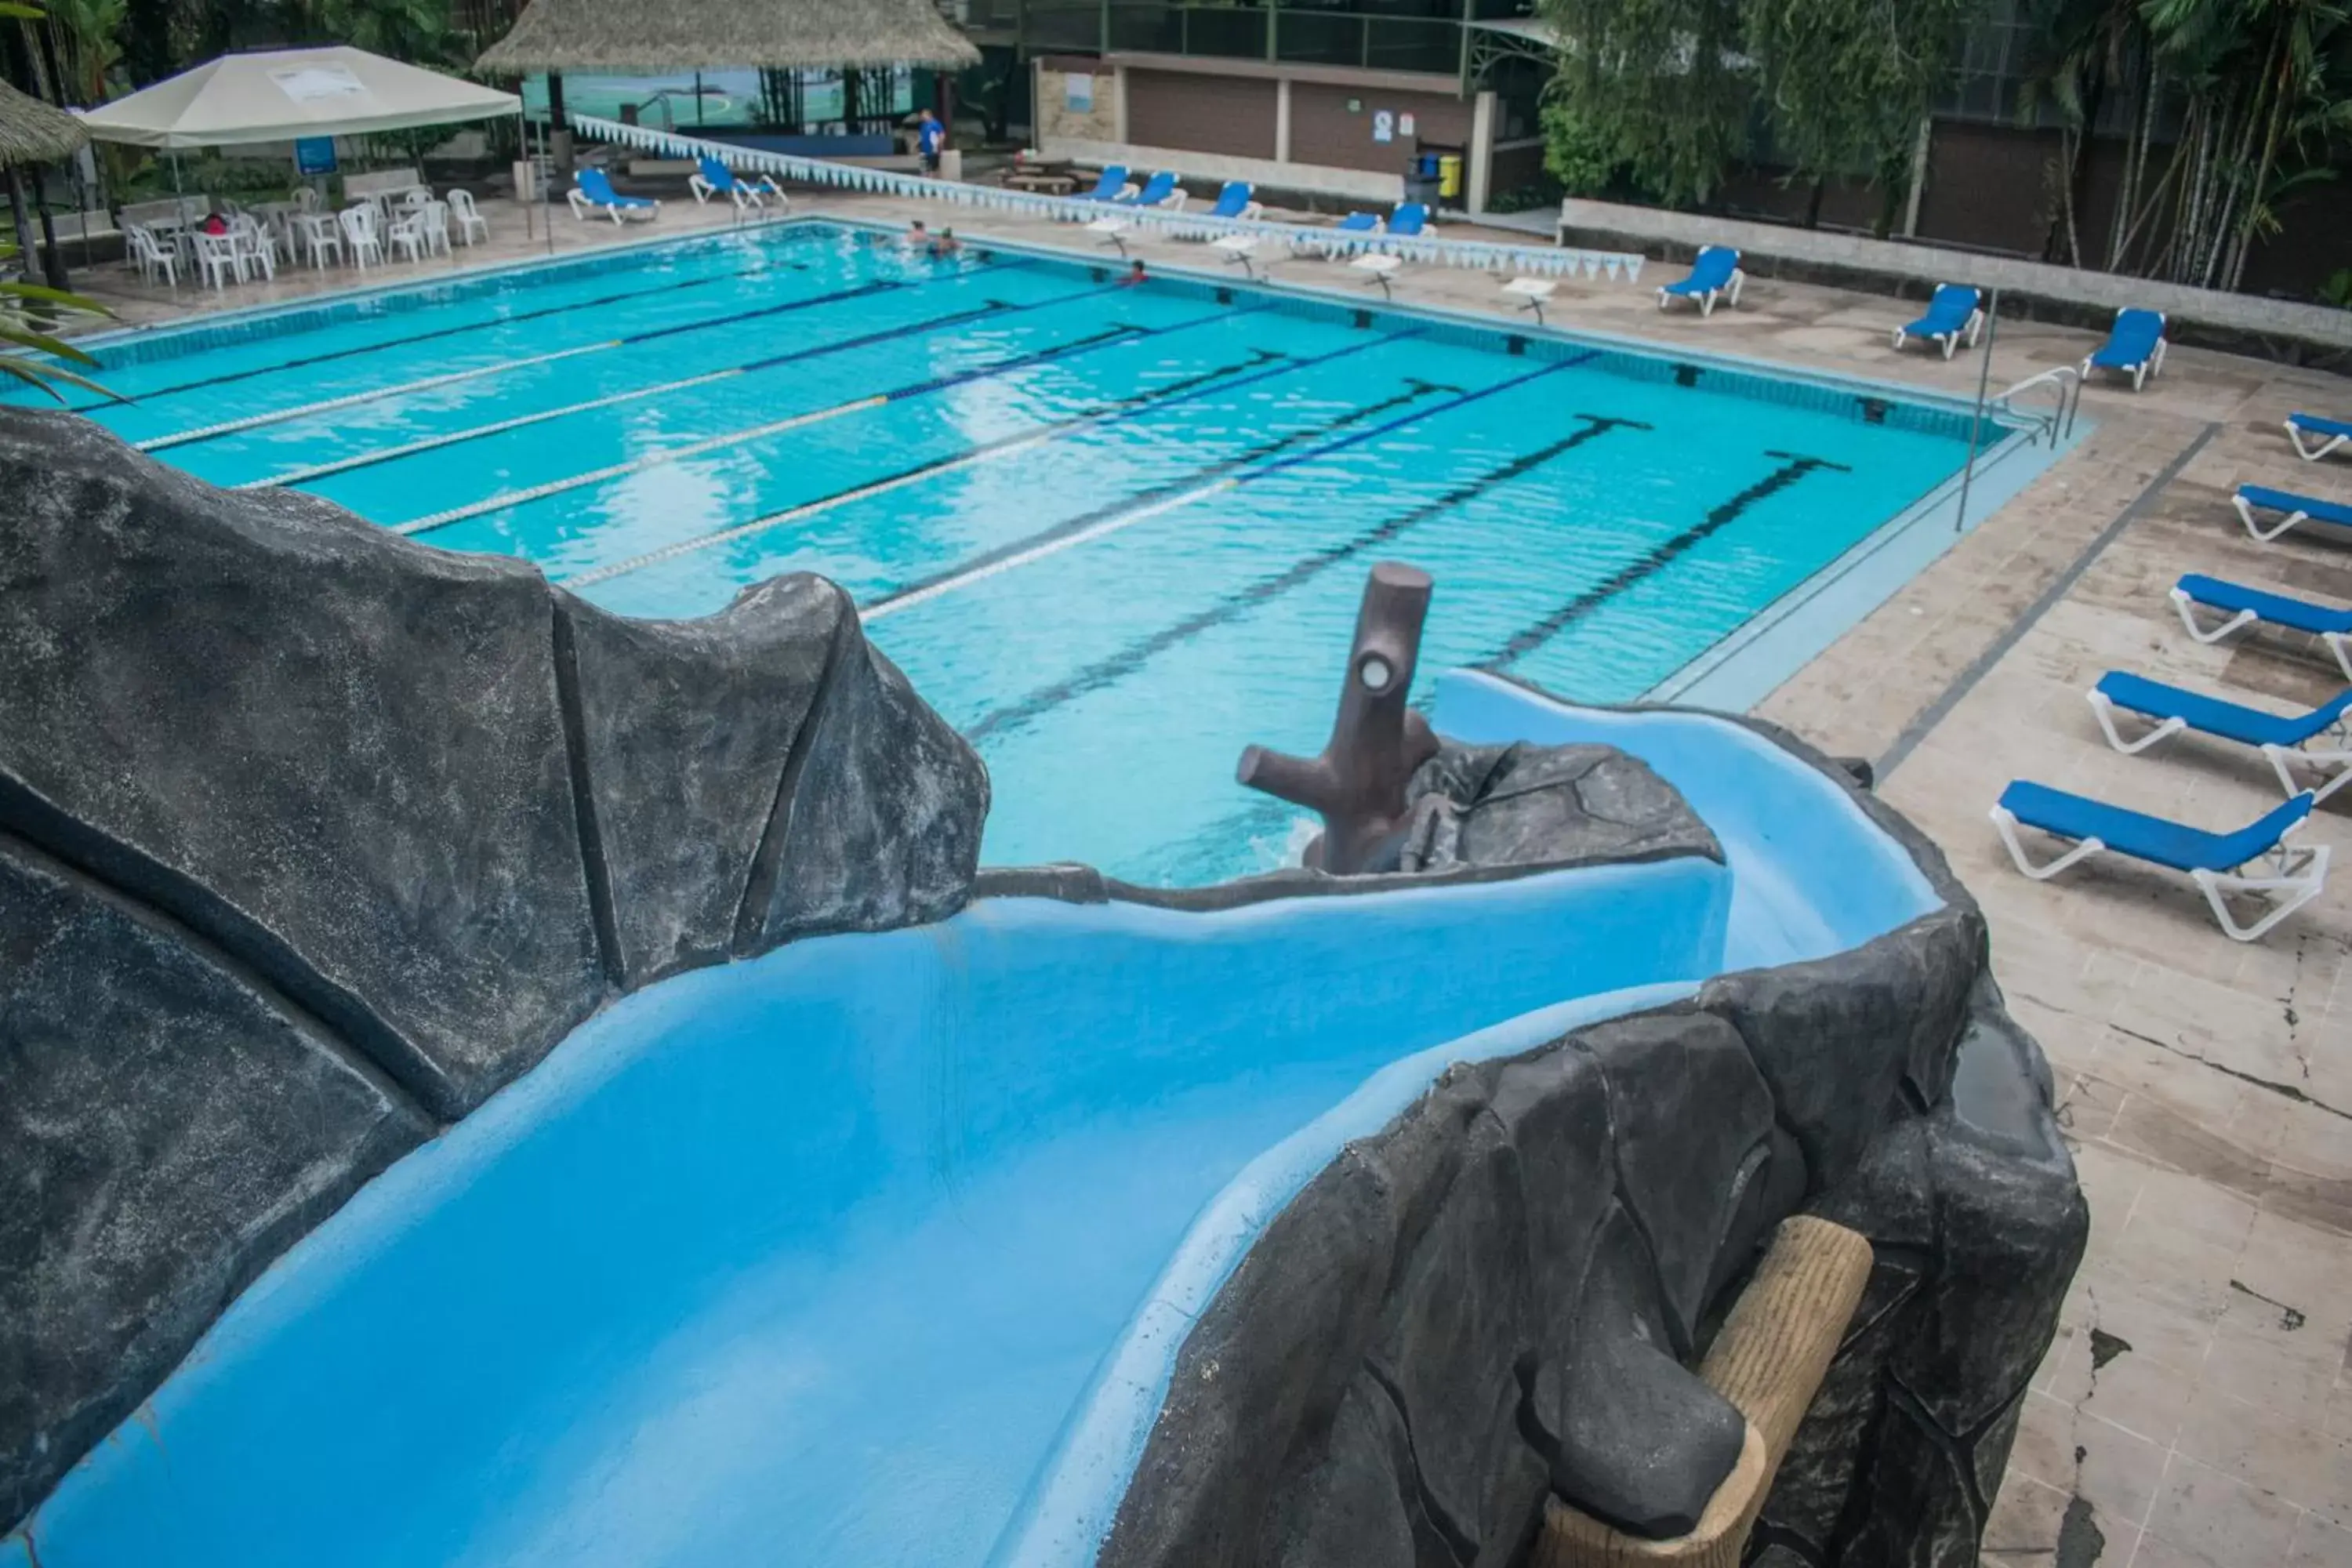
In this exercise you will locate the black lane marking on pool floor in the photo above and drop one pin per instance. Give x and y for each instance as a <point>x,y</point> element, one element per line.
<point>1132,657</point>
<point>1792,467</point>
<point>1199,485</point>
<point>1162,396</point>
<point>225,377</point>
<point>1168,490</point>
<point>478,373</point>
<point>987,307</point>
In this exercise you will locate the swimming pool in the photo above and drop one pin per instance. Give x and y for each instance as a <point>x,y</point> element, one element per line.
<point>1113,533</point>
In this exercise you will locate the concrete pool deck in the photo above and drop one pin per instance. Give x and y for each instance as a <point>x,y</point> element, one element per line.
<point>2196,1409</point>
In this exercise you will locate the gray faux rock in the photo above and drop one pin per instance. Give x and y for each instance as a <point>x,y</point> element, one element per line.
<point>337,754</point>
<point>313,837</point>
<point>1584,1214</point>
<point>1544,805</point>
<point>167,1123</point>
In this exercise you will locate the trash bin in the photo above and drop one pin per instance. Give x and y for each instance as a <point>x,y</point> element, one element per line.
<point>1421,179</point>
<point>1449,176</point>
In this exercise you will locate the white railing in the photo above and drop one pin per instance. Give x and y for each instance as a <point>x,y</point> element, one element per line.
<point>1555,261</point>
<point>2066,383</point>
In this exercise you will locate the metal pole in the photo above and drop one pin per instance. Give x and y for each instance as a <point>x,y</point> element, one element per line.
<point>180,202</point>
<point>531,170</point>
<point>546,145</point>
<point>1976,425</point>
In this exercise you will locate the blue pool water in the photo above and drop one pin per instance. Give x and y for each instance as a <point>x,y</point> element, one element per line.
<point>1113,533</point>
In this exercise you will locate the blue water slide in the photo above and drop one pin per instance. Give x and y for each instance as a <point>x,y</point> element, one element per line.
<point>879,1249</point>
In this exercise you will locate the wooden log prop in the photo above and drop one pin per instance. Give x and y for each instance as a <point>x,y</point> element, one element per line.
<point>1357,783</point>
<point>1767,1361</point>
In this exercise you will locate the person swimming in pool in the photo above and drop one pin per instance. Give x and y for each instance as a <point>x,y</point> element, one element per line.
<point>1134,274</point>
<point>945,244</point>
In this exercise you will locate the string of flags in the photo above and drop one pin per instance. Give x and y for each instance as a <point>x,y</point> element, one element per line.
<point>1525,260</point>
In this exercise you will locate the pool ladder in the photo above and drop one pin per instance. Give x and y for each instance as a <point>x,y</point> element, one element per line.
<point>2058,420</point>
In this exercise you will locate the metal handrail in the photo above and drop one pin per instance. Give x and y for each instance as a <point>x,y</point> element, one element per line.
<point>2060,421</point>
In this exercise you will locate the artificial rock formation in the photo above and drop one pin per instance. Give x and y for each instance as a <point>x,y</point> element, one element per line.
<point>1485,806</point>
<point>311,838</point>
<point>1496,1300</point>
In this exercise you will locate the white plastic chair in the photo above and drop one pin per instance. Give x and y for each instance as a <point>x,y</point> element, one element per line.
<point>436,228</point>
<point>151,255</point>
<point>217,258</point>
<point>407,232</point>
<point>359,230</point>
<point>461,204</point>
<point>321,235</point>
<point>256,248</point>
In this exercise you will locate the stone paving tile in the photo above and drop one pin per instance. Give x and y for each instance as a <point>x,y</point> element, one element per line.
<point>2195,1411</point>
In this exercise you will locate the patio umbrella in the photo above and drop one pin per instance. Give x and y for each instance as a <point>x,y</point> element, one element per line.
<point>283,95</point>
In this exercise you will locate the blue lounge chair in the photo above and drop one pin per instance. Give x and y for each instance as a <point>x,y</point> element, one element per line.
<point>1956,310</point>
<point>1160,191</point>
<point>2320,740</point>
<point>713,178</point>
<point>1353,224</point>
<point>1409,219</point>
<point>2135,345</point>
<point>2218,863</point>
<point>1234,202</point>
<point>2245,606</point>
<point>2292,508</point>
<point>2329,434</point>
<point>1111,186</point>
<point>592,193</point>
<point>1716,275</point>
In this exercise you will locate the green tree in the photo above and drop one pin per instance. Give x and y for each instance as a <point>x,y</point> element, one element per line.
<point>2260,114</point>
<point>1655,87</point>
<point>416,30</point>
<point>86,37</point>
<point>2082,55</point>
<point>1849,82</point>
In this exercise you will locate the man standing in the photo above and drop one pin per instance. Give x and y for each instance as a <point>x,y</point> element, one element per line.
<point>929,136</point>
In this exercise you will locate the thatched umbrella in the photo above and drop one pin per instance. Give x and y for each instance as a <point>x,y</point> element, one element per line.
<point>33,134</point>
<point>559,35</point>
<point>688,35</point>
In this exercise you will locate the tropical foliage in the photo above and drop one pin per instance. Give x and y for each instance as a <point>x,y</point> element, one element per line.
<point>1848,83</point>
<point>2222,108</point>
<point>29,350</point>
<point>2259,114</point>
<point>1656,88</point>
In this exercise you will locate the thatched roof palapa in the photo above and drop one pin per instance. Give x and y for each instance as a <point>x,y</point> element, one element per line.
<point>32,133</point>
<point>691,34</point>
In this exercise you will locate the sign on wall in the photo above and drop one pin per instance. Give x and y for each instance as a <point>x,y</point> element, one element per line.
<point>1079,92</point>
<point>1404,125</point>
<point>314,155</point>
<point>1384,125</point>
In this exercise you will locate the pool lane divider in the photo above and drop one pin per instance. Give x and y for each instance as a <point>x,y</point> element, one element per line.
<point>1118,666</point>
<point>1168,499</point>
<point>1261,364</point>
<point>450,378</point>
<point>987,307</point>
<point>506,500</point>
<point>437,333</point>
<point>1793,468</point>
